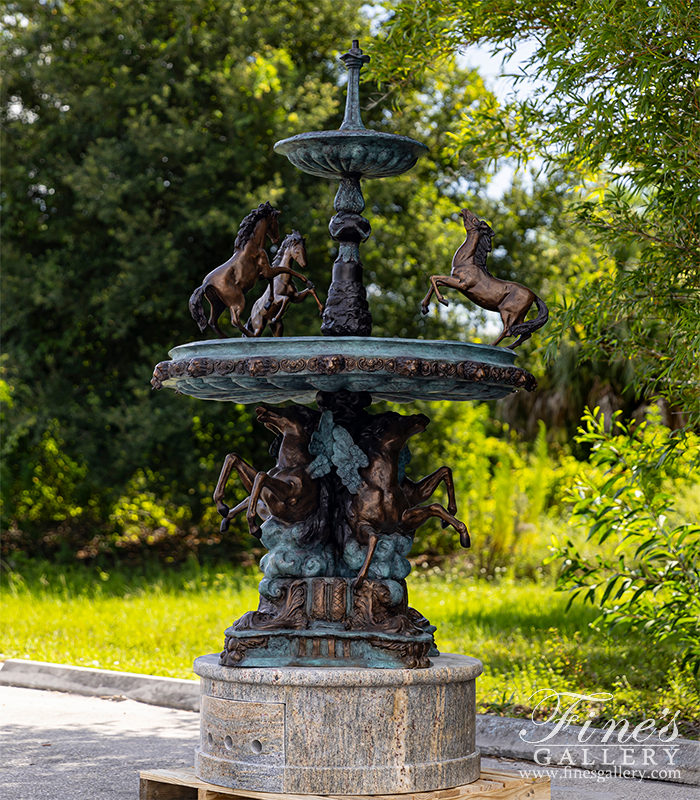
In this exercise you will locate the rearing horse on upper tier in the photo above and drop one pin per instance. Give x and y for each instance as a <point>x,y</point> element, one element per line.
<point>226,286</point>
<point>470,276</point>
<point>272,306</point>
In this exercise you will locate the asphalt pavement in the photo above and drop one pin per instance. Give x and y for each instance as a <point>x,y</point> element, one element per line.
<point>60,746</point>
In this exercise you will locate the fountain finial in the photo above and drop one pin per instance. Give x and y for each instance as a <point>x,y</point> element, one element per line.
<point>354,60</point>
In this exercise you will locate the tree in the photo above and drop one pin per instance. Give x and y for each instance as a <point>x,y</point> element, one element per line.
<point>618,112</point>
<point>639,563</point>
<point>137,136</point>
<point>136,139</point>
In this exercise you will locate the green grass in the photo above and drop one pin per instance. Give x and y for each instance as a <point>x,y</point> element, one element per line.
<point>158,622</point>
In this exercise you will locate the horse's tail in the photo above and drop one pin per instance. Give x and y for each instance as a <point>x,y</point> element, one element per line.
<point>534,324</point>
<point>196,308</point>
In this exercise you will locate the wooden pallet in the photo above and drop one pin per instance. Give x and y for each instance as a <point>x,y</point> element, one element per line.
<point>183,784</point>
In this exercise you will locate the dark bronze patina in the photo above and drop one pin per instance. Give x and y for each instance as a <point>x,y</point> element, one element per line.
<point>337,513</point>
<point>322,613</point>
<point>387,501</point>
<point>227,285</point>
<point>287,491</point>
<point>470,276</point>
<point>350,154</point>
<point>339,487</point>
<point>272,306</point>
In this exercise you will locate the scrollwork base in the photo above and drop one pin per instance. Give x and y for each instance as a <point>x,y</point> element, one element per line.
<point>329,622</point>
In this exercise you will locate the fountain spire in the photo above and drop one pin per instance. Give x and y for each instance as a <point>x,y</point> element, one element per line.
<point>354,60</point>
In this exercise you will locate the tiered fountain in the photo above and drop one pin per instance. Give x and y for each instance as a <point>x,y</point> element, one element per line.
<point>334,684</point>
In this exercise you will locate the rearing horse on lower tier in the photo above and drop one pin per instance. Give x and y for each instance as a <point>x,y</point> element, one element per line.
<point>386,503</point>
<point>470,276</point>
<point>227,285</point>
<point>287,491</point>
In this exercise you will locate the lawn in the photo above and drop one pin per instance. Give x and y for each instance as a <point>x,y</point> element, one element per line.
<point>157,622</point>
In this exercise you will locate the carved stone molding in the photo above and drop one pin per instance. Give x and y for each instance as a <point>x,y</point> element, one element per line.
<point>335,364</point>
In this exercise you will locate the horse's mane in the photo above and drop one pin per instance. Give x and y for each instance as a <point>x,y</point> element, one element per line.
<point>247,227</point>
<point>293,237</point>
<point>483,247</point>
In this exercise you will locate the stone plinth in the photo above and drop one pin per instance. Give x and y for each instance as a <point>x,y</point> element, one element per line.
<point>338,731</point>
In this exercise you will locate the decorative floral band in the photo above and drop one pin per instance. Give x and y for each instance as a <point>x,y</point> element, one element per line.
<point>260,367</point>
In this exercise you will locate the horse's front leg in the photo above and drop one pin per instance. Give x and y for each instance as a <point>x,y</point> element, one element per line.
<point>425,303</point>
<point>226,521</point>
<point>413,518</point>
<point>450,282</point>
<point>300,296</point>
<point>419,492</point>
<point>269,273</point>
<point>245,472</point>
<point>279,496</point>
<point>435,281</point>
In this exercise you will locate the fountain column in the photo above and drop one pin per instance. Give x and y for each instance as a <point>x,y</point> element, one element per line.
<point>347,311</point>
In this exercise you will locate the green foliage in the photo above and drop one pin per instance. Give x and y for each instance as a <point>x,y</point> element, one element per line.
<point>641,560</point>
<point>55,481</point>
<point>136,139</point>
<point>140,514</point>
<point>616,113</point>
<point>506,490</point>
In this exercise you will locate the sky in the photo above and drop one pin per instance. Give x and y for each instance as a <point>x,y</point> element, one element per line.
<point>495,74</point>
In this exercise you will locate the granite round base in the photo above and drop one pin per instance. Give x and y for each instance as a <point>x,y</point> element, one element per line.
<point>339,731</point>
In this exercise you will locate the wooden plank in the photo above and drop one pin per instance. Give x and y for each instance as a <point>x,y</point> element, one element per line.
<point>467,791</point>
<point>186,777</point>
<point>157,790</point>
<point>493,784</point>
<point>507,778</point>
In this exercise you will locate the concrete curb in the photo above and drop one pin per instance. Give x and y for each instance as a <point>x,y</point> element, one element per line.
<point>167,692</point>
<point>496,736</point>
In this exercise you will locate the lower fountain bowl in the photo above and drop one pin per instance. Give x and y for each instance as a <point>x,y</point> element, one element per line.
<point>272,370</point>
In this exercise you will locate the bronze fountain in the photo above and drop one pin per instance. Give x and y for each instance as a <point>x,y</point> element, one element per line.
<point>337,513</point>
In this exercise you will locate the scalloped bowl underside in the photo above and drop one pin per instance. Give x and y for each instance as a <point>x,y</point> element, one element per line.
<point>361,154</point>
<point>296,368</point>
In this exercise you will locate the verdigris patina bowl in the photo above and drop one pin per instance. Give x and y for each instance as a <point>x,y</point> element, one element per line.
<point>357,153</point>
<point>273,370</point>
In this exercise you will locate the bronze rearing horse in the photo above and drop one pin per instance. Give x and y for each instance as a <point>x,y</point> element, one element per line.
<point>470,276</point>
<point>287,491</point>
<point>271,307</point>
<point>385,504</point>
<point>227,285</point>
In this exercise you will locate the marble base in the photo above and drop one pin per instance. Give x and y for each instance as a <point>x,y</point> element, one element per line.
<point>338,730</point>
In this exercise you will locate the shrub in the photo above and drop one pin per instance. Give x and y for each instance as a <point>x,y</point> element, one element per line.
<point>640,564</point>
<point>505,489</point>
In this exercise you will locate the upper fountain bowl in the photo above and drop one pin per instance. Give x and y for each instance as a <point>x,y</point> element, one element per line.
<point>351,153</point>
